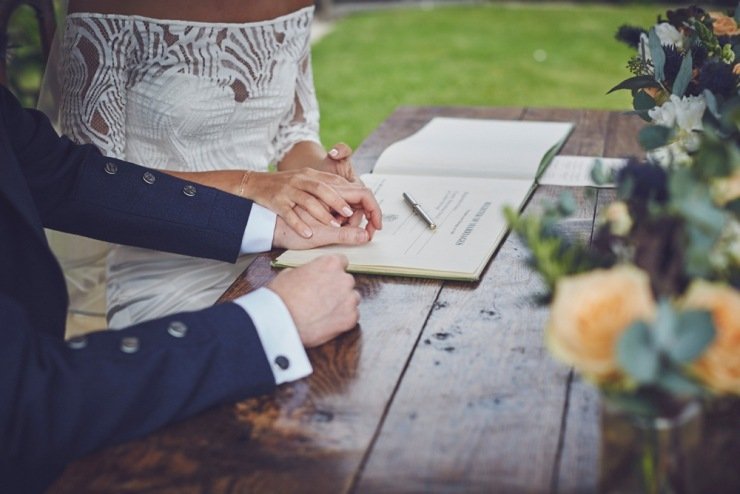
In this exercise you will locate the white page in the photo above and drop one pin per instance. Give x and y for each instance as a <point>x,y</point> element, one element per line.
<point>576,170</point>
<point>469,218</point>
<point>474,148</point>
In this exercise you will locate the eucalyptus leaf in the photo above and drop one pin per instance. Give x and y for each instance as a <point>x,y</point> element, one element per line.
<point>654,136</point>
<point>643,101</point>
<point>598,173</point>
<point>694,332</point>
<point>566,203</point>
<point>684,75</point>
<point>657,54</point>
<point>637,353</point>
<point>711,101</point>
<point>665,326</point>
<point>637,82</point>
<point>676,383</point>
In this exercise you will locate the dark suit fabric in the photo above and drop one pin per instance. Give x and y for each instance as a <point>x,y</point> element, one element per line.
<point>59,401</point>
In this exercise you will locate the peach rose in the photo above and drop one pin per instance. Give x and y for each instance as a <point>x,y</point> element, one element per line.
<point>736,69</point>
<point>719,367</point>
<point>723,24</point>
<point>590,312</point>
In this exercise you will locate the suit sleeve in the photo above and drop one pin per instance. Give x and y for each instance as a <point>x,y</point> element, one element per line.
<point>77,190</point>
<point>61,400</point>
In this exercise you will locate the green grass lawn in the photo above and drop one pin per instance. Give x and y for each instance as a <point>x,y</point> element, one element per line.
<point>491,55</point>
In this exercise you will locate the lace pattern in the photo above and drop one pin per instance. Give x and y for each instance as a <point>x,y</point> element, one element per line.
<point>183,96</point>
<point>189,96</point>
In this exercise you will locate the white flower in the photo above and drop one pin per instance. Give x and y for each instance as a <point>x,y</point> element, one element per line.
<point>674,154</point>
<point>685,113</point>
<point>669,35</point>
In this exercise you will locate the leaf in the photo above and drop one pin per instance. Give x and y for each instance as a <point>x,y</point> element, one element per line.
<point>657,54</point>
<point>637,82</point>
<point>654,136</point>
<point>711,101</point>
<point>643,101</point>
<point>566,203</point>
<point>598,173</point>
<point>694,332</point>
<point>665,326</point>
<point>684,76</point>
<point>676,383</point>
<point>637,354</point>
<point>737,14</point>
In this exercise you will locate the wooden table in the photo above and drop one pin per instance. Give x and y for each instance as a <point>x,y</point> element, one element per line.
<point>445,386</point>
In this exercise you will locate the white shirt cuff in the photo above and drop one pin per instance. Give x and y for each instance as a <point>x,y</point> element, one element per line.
<point>259,230</point>
<point>278,335</point>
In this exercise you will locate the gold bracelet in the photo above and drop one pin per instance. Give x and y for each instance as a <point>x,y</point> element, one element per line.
<point>245,178</point>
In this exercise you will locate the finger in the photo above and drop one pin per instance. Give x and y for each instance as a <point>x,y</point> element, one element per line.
<point>315,208</point>
<point>340,151</point>
<point>363,198</point>
<point>297,224</point>
<point>329,195</point>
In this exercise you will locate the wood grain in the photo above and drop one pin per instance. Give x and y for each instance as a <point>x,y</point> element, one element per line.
<point>443,387</point>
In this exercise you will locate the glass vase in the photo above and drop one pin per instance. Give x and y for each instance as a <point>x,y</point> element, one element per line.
<point>653,455</point>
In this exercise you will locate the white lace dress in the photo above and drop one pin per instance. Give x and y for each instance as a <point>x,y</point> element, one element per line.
<point>182,95</point>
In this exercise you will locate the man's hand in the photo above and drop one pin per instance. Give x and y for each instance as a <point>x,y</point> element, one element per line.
<point>286,237</point>
<point>320,297</point>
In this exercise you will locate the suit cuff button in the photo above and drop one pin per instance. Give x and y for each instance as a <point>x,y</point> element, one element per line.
<point>282,362</point>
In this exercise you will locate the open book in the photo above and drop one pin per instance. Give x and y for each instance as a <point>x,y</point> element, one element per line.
<point>462,172</point>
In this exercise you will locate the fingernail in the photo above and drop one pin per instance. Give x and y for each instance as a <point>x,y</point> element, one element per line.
<point>347,211</point>
<point>307,233</point>
<point>334,223</point>
<point>333,153</point>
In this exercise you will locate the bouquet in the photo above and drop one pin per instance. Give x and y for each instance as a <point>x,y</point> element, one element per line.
<point>649,311</point>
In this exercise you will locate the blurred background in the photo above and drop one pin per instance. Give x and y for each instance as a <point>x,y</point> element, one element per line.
<point>371,56</point>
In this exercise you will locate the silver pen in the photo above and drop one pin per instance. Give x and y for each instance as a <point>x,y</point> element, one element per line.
<point>418,210</point>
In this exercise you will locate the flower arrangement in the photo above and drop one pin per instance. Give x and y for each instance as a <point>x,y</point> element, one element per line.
<point>649,311</point>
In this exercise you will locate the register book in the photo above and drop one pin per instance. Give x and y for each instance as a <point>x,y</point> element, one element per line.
<point>462,172</point>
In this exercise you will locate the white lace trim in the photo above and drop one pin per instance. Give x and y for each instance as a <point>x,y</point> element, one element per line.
<point>189,95</point>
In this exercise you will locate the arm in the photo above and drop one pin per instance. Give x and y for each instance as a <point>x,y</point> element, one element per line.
<point>63,400</point>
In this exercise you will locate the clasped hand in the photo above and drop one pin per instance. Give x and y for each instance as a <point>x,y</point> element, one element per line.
<point>308,199</point>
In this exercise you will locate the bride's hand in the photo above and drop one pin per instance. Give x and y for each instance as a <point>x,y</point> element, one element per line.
<point>339,162</point>
<point>319,193</point>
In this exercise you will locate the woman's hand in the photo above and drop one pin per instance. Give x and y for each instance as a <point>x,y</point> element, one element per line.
<point>327,197</point>
<point>339,162</point>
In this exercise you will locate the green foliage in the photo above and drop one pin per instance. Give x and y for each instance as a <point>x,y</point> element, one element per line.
<point>654,356</point>
<point>654,136</point>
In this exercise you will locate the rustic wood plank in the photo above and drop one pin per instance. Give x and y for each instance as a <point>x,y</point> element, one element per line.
<point>578,470</point>
<point>314,435</point>
<point>481,402</point>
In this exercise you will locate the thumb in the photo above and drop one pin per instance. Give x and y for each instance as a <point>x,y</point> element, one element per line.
<point>346,235</point>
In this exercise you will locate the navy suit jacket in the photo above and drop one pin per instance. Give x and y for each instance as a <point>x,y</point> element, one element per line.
<point>60,400</point>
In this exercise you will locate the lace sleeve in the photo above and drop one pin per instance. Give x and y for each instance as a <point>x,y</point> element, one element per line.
<point>93,93</point>
<point>301,122</point>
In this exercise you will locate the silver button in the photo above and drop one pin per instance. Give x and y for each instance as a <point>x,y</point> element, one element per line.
<point>189,190</point>
<point>149,178</point>
<point>177,329</point>
<point>77,342</point>
<point>130,344</point>
<point>111,168</point>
